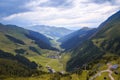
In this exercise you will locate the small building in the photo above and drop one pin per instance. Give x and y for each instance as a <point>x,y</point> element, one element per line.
<point>62,72</point>
<point>114,66</point>
<point>50,69</point>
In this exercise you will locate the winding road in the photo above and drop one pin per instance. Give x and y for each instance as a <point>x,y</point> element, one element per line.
<point>99,73</point>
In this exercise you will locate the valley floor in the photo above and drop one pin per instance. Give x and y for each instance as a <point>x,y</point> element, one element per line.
<point>50,59</point>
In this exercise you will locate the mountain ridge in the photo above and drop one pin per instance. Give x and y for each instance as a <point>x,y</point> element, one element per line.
<point>76,38</point>
<point>51,31</point>
<point>19,37</point>
<point>105,40</point>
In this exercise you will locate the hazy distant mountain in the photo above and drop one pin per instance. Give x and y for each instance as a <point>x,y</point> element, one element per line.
<point>50,31</point>
<point>76,38</point>
<point>74,28</point>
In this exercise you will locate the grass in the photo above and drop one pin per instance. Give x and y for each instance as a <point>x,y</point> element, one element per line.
<point>53,77</point>
<point>98,42</point>
<point>102,76</point>
<point>6,45</point>
<point>53,63</point>
<point>64,59</point>
<point>116,76</point>
<point>42,77</point>
<point>84,75</point>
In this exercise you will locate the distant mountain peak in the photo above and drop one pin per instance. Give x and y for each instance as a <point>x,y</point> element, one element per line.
<point>86,28</point>
<point>51,31</point>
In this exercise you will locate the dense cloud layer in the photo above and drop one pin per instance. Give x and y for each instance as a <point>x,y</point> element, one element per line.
<point>66,13</point>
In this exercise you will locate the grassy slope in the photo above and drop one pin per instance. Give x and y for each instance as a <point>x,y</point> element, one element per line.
<point>9,45</point>
<point>53,63</point>
<point>12,68</point>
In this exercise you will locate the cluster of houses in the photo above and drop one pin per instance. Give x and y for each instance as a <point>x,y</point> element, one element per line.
<point>54,56</point>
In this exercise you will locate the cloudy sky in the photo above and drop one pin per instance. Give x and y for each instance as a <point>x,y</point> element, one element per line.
<point>60,13</point>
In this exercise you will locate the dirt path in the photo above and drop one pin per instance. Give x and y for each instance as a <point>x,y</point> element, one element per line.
<point>99,73</point>
<point>110,75</point>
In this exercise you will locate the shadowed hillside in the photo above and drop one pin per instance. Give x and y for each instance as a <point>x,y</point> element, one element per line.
<point>76,38</point>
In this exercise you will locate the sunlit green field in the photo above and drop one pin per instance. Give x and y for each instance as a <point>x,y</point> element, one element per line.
<point>53,63</point>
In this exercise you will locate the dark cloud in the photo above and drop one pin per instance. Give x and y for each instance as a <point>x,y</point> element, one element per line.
<point>8,7</point>
<point>57,3</point>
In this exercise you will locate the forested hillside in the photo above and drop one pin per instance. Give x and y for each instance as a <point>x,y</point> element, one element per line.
<point>105,40</point>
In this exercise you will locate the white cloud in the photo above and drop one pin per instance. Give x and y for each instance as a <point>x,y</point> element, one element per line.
<point>80,14</point>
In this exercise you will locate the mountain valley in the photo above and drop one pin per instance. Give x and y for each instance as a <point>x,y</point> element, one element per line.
<point>51,53</point>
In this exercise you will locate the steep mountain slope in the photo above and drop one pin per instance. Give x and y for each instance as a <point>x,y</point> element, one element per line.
<point>76,38</point>
<point>50,31</point>
<point>106,40</point>
<point>108,37</point>
<point>14,39</point>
